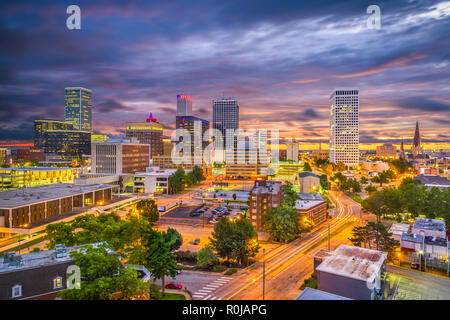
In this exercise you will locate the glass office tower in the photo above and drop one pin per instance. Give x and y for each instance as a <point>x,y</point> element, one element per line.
<point>78,108</point>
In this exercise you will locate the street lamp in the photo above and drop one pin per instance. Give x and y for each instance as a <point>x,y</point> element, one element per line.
<point>264,273</point>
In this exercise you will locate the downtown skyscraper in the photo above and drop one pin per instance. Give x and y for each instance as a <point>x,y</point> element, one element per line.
<point>225,116</point>
<point>78,108</point>
<point>344,126</point>
<point>184,105</point>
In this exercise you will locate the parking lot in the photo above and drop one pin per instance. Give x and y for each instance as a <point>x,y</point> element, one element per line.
<point>186,215</point>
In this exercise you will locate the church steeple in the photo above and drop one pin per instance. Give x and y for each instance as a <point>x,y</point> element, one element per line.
<point>416,148</point>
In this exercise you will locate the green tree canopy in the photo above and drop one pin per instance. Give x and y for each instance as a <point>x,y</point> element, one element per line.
<point>281,223</point>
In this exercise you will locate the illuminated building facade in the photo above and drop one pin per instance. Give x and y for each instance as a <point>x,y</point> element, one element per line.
<point>20,177</point>
<point>54,136</point>
<point>387,150</point>
<point>292,151</point>
<point>344,126</point>
<point>264,195</point>
<point>99,138</point>
<point>29,155</point>
<point>149,132</point>
<point>119,157</point>
<point>2,156</point>
<point>78,108</point>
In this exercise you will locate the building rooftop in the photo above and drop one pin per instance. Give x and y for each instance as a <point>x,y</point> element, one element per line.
<point>310,196</point>
<point>27,196</point>
<point>429,224</point>
<point>307,204</point>
<point>305,174</point>
<point>315,294</point>
<point>322,254</point>
<point>354,262</point>
<point>412,237</point>
<point>399,228</point>
<point>39,259</point>
<point>271,186</point>
<point>436,241</point>
<point>433,180</point>
<point>38,168</point>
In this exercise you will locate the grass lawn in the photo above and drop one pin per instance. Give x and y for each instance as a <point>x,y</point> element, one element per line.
<point>355,197</point>
<point>173,296</point>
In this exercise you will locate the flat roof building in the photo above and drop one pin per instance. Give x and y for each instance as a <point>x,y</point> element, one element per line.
<point>153,180</point>
<point>430,227</point>
<point>264,195</point>
<point>149,132</point>
<point>24,177</point>
<point>314,294</point>
<point>308,182</point>
<point>351,271</point>
<point>31,207</point>
<point>313,206</point>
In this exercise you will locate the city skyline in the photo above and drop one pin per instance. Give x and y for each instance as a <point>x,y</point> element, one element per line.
<point>281,67</point>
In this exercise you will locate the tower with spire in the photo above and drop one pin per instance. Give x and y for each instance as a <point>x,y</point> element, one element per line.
<point>416,148</point>
<point>402,151</point>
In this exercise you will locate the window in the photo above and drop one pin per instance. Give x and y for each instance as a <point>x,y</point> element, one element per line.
<point>17,291</point>
<point>57,283</point>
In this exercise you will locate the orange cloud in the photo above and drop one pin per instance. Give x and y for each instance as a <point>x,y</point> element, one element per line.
<point>393,64</point>
<point>306,81</point>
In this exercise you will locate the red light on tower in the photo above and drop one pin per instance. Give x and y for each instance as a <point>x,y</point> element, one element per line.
<point>151,118</point>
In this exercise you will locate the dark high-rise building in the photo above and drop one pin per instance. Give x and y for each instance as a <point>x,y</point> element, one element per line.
<point>188,123</point>
<point>69,143</point>
<point>184,105</point>
<point>42,126</point>
<point>59,137</point>
<point>149,132</point>
<point>78,108</point>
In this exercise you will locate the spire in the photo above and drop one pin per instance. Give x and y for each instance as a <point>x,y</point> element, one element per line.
<point>416,141</point>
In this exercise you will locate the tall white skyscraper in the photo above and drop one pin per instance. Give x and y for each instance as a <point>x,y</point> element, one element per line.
<point>184,105</point>
<point>225,116</point>
<point>344,126</point>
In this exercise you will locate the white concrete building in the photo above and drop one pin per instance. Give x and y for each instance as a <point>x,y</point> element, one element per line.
<point>375,166</point>
<point>292,151</point>
<point>344,126</point>
<point>153,180</point>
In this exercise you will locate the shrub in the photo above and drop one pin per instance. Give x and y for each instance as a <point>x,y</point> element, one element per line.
<point>155,292</point>
<point>219,268</point>
<point>231,271</point>
<point>186,256</point>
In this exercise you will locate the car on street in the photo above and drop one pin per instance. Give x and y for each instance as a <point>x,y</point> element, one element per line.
<point>196,241</point>
<point>200,211</point>
<point>414,265</point>
<point>173,285</point>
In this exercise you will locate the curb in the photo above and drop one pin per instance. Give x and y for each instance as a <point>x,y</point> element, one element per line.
<point>412,270</point>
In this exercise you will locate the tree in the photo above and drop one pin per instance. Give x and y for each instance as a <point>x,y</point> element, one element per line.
<point>198,172</point>
<point>374,204</point>
<point>370,188</point>
<point>149,210</point>
<point>281,223</point>
<point>191,179</point>
<point>234,196</point>
<point>374,234</point>
<point>159,259</point>
<point>234,239</point>
<point>101,276</point>
<point>324,182</point>
<point>340,166</point>
<point>363,180</point>
<point>288,194</point>
<point>177,180</point>
<point>173,238</point>
<point>206,258</point>
<point>412,198</point>
<point>307,167</point>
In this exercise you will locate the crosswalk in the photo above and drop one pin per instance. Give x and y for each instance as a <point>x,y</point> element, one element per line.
<point>207,292</point>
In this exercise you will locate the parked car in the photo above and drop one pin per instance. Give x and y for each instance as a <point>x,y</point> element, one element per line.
<point>174,285</point>
<point>196,241</point>
<point>194,214</point>
<point>225,213</point>
<point>200,211</point>
<point>213,221</point>
<point>414,265</point>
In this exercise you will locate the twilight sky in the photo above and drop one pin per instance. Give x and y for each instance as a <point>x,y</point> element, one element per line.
<point>280,59</point>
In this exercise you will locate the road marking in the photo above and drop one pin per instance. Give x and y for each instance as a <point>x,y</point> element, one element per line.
<point>213,298</point>
<point>213,285</point>
<point>197,296</point>
<point>208,290</point>
<point>206,298</point>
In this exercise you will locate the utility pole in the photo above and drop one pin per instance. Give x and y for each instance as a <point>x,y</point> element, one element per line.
<point>328,236</point>
<point>264,272</point>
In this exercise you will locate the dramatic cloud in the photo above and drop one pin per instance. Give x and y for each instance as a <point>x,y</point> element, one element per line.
<point>280,60</point>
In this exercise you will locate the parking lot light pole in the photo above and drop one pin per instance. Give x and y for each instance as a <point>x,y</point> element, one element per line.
<point>264,272</point>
